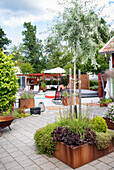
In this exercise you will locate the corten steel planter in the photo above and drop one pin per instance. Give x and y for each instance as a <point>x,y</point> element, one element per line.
<point>5,121</point>
<point>109,123</point>
<point>80,155</point>
<point>66,100</point>
<point>103,105</point>
<point>26,103</point>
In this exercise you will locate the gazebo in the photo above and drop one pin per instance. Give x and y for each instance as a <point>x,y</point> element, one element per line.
<point>109,49</point>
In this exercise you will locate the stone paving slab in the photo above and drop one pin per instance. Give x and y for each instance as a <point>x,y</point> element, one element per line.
<point>18,151</point>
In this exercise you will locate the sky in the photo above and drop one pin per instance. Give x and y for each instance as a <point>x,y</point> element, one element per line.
<point>13,14</point>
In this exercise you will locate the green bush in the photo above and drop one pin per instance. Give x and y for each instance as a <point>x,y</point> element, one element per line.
<point>98,124</point>
<point>18,113</point>
<point>107,101</point>
<point>94,87</point>
<point>44,141</point>
<point>93,83</point>
<point>103,140</point>
<point>8,82</point>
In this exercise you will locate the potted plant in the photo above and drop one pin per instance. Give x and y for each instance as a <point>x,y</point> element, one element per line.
<point>107,101</point>
<point>75,141</point>
<point>109,117</point>
<point>66,98</point>
<point>26,100</point>
<point>43,87</point>
<point>102,102</point>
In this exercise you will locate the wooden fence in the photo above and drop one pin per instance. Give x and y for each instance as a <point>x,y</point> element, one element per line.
<point>84,81</point>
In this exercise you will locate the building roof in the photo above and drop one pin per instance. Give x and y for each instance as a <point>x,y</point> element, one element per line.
<point>108,47</point>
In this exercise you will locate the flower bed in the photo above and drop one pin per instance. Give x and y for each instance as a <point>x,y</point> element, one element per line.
<point>75,141</point>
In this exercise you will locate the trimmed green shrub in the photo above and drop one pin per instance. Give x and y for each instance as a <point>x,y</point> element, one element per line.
<point>98,124</point>
<point>8,82</point>
<point>44,141</point>
<point>103,140</point>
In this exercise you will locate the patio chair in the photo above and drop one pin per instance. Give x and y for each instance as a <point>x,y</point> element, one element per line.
<point>58,94</point>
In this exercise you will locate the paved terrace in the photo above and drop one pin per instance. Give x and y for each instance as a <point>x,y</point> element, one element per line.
<point>18,151</point>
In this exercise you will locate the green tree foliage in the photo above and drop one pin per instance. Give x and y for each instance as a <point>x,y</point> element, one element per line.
<point>83,28</point>
<point>58,55</point>
<point>26,68</point>
<point>8,82</point>
<point>3,39</point>
<point>33,47</point>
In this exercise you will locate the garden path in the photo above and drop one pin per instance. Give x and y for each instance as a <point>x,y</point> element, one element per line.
<point>18,151</point>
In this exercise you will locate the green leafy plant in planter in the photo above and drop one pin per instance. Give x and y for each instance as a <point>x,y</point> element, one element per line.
<point>43,85</point>
<point>26,100</point>
<point>80,131</point>
<point>107,101</point>
<point>98,124</point>
<point>103,140</point>
<point>25,95</point>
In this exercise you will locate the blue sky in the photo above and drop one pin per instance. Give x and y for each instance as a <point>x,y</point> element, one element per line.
<point>13,13</point>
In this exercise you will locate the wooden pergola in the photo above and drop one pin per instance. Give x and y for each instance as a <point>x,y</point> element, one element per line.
<point>45,75</point>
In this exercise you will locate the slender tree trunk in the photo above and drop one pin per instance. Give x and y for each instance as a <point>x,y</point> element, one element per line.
<point>74,76</point>
<point>70,81</point>
<point>79,80</point>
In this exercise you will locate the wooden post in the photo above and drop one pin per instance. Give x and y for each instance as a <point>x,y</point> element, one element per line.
<point>74,75</point>
<point>79,80</point>
<point>60,79</point>
<point>70,82</point>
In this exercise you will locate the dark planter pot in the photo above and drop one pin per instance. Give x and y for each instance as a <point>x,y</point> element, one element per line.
<point>80,155</point>
<point>35,110</point>
<point>26,103</point>
<point>109,123</point>
<point>66,100</point>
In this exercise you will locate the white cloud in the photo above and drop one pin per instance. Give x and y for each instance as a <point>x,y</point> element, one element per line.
<point>13,14</point>
<point>16,13</point>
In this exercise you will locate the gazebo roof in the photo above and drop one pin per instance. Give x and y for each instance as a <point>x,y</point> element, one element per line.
<point>108,47</point>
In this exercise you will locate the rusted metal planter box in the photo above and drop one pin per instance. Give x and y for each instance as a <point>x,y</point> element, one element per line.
<point>80,155</point>
<point>26,103</point>
<point>66,100</point>
<point>109,123</point>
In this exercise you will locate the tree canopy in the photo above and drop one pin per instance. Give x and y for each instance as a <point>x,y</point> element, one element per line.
<point>80,27</point>
<point>33,47</point>
<point>3,39</point>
